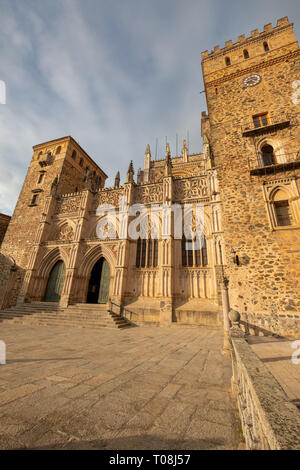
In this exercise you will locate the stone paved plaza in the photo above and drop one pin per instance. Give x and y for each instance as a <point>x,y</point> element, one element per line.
<point>139,388</point>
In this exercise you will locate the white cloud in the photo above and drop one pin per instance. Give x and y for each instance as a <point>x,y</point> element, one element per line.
<point>114,75</point>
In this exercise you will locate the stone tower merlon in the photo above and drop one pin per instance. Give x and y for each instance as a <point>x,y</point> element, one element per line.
<point>274,37</point>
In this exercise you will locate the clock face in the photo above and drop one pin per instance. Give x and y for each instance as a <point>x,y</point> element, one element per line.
<point>252,80</point>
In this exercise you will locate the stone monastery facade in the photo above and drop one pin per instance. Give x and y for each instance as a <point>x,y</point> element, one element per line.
<point>246,180</point>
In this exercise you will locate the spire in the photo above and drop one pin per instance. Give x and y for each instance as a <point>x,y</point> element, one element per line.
<point>117,180</point>
<point>185,151</point>
<point>168,162</point>
<point>147,158</point>
<point>130,173</point>
<point>168,151</point>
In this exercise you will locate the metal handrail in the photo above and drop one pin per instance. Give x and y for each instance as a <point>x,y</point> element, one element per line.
<point>122,311</point>
<point>259,161</point>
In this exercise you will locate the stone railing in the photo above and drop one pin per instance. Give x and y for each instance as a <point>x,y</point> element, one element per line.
<point>269,420</point>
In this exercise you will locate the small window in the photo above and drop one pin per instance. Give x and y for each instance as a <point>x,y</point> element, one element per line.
<point>74,154</point>
<point>41,177</point>
<point>81,162</point>
<point>227,61</point>
<point>266,47</point>
<point>283,213</point>
<point>39,155</point>
<point>58,150</point>
<point>246,54</point>
<point>261,120</point>
<point>34,199</point>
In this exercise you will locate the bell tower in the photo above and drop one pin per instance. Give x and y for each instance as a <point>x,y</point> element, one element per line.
<point>253,130</point>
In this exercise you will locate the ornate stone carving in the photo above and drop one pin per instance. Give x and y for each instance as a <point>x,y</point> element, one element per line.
<point>150,194</point>
<point>109,196</point>
<point>193,188</point>
<point>68,205</point>
<point>64,233</point>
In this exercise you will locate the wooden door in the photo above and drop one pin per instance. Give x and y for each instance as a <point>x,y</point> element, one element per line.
<point>55,282</point>
<point>104,283</point>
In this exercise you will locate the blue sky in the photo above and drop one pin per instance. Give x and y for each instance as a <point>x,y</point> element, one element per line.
<point>114,74</point>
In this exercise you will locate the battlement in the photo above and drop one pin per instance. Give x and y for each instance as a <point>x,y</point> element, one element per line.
<point>242,40</point>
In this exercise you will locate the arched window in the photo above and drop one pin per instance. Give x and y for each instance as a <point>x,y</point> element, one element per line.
<point>227,61</point>
<point>39,155</point>
<point>194,254</point>
<point>268,156</point>
<point>282,209</point>
<point>204,252</point>
<point>246,54</point>
<point>138,253</point>
<point>58,150</point>
<point>146,253</point>
<point>74,154</point>
<point>81,162</point>
<point>266,46</point>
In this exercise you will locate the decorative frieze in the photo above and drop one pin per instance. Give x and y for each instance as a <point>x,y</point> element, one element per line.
<point>68,204</point>
<point>191,188</point>
<point>149,194</point>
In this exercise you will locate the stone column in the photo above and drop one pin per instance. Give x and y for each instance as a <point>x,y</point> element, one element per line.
<point>226,308</point>
<point>167,261</point>
<point>122,270</point>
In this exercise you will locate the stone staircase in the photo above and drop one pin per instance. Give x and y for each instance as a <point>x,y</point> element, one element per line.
<point>49,313</point>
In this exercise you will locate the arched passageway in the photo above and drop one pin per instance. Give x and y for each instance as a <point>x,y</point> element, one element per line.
<point>98,289</point>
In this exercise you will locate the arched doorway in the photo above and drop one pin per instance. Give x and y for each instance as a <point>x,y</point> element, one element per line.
<point>55,282</point>
<point>99,283</point>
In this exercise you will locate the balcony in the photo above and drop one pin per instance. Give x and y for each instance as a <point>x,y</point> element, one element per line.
<point>263,165</point>
<point>274,123</point>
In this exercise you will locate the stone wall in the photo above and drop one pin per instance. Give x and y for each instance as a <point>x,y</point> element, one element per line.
<point>266,283</point>
<point>11,277</point>
<point>269,420</point>
<point>4,221</point>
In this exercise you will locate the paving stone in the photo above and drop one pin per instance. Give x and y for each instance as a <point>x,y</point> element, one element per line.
<point>89,391</point>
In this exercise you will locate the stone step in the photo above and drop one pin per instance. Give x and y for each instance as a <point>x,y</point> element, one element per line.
<point>62,314</point>
<point>79,315</point>
<point>53,322</point>
<point>60,317</point>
